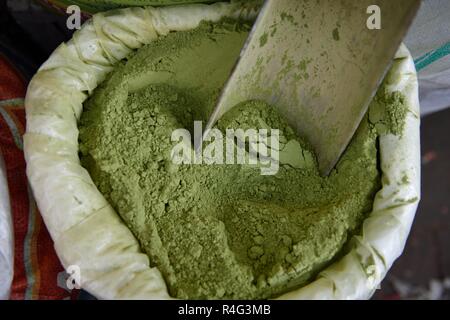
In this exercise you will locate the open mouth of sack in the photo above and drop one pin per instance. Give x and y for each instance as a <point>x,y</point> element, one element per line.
<point>222,230</point>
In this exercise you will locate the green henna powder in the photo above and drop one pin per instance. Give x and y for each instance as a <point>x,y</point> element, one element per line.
<point>222,231</point>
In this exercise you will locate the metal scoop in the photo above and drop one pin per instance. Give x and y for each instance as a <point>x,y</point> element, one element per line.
<point>320,62</point>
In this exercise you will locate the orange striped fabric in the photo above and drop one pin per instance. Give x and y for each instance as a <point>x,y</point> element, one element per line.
<point>38,273</point>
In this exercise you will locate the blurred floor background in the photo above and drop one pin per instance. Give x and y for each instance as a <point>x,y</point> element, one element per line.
<point>423,271</point>
<point>30,32</point>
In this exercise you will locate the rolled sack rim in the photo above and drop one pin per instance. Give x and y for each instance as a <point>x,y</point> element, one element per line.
<point>89,234</point>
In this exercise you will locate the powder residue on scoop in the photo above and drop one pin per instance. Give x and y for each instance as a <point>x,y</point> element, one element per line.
<point>221,231</point>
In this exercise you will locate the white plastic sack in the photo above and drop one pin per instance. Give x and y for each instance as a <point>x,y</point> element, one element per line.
<point>429,42</point>
<point>6,236</point>
<point>89,234</point>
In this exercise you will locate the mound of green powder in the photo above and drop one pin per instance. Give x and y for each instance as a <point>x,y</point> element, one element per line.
<point>222,231</point>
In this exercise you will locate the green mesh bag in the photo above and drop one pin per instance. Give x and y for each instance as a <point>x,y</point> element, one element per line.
<point>92,6</point>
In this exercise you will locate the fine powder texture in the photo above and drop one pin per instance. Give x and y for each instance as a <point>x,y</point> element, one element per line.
<point>222,231</point>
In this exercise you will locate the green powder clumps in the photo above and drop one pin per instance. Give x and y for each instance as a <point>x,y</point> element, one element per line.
<point>219,231</point>
<point>388,112</point>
